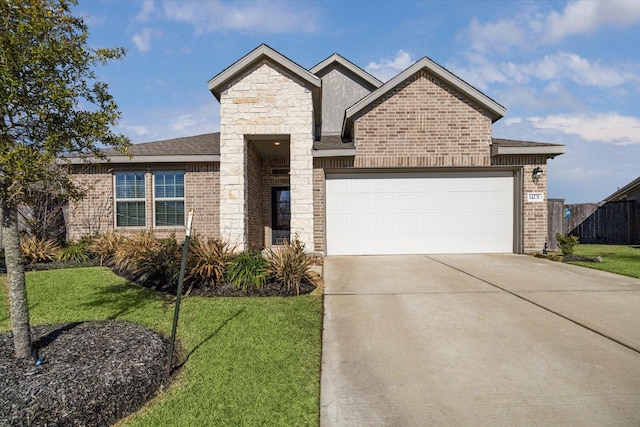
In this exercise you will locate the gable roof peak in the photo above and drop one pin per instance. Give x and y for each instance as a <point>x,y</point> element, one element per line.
<point>263,51</point>
<point>336,58</point>
<point>496,111</point>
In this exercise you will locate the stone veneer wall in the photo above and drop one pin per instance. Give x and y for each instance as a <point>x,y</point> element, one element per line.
<point>95,213</point>
<point>534,214</point>
<point>319,166</point>
<point>423,123</point>
<point>265,101</point>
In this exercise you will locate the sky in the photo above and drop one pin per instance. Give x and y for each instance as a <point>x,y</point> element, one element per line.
<point>568,72</point>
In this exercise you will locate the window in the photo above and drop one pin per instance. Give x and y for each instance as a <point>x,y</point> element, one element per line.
<point>169,199</point>
<point>130,199</point>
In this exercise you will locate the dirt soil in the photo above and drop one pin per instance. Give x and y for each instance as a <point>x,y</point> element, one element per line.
<point>90,374</point>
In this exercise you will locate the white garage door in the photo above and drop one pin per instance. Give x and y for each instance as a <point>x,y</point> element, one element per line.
<point>466,212</point>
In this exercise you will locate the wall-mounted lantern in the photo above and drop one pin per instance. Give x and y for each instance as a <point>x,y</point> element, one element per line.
<point>537,174</point>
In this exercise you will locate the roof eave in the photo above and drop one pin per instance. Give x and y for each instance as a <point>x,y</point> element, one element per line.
<point>344,152</point>
<point>550,150</point>
<point>193,158</point>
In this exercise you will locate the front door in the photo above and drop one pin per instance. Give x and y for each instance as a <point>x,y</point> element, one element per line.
<point>280,214</point>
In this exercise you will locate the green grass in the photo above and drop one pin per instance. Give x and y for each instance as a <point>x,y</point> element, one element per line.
<point>250,361</point>
<point>618,259</point>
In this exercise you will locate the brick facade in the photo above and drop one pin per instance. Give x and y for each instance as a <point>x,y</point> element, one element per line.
<point>422,123</point>
<point>534,214</point>
<point>255,229</point>
<point>94,214</point>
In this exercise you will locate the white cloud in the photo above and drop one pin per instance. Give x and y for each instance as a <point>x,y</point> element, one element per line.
<point>586,16</point>
<point>513,120</point>
<point>532,28</point>
<point>254,17</point>
<point>182,122</point>
<point>147,12</point>
<point>388,68</point>
<point>498,35</point>
<point>576,68</point>
<point>610,128</point>
<point>480,73</point>
<point>483,72</point>
<point>142,39</point>
<point>137,130</point>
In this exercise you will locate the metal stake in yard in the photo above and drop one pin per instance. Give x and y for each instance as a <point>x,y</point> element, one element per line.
<point>183,263</point>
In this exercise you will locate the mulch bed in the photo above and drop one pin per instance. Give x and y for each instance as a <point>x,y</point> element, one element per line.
<point>92,374</point>
<point>269,290</point>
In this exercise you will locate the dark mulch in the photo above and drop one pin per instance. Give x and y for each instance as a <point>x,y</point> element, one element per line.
<point>580,258</point>
<point>269,290</point>
<point>92,374</point>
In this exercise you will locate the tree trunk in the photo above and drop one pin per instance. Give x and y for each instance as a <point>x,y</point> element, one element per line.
<point>15,276</point>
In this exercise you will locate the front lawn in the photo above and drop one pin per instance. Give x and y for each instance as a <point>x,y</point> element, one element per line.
<point>618,259</point>
<point>249,361</point>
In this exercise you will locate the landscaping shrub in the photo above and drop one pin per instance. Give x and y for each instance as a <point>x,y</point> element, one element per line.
<point>105,245</point>
<point>75,252</point>
<point>567,243</point>
<point>149,261</point>
<point>38,250</point>
<point>209,261</point>
<point>288,265</point>
<point>248,269</point>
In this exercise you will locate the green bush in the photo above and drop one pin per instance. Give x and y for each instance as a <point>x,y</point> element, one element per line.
<point>209,261</point>
<point>38,250</point>
<point>567,243</point>
<point>75,252</point>
<point>248,269</point>
<point>289,265</point>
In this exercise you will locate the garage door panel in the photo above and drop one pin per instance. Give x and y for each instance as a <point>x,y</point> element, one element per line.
<point>419,213</point>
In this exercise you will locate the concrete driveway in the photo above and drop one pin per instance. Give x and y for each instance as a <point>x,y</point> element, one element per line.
<point>478,340</point>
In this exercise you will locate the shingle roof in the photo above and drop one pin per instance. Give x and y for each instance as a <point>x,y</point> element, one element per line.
<point>207,144</point>
<point>516,143</point>
<point>332,142</point>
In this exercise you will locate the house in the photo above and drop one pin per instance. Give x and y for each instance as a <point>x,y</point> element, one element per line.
<point>331,154</point>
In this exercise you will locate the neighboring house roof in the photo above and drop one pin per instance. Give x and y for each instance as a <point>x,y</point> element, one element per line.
<point>622,194</point>
<point>510,147</point>
<point>348,65</point>
<point>496,110</point>
<point>263,52</point>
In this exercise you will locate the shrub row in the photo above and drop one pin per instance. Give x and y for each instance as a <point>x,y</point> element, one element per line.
<point>155,262</point>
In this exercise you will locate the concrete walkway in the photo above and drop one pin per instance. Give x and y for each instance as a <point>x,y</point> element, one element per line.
<point>491,340</point>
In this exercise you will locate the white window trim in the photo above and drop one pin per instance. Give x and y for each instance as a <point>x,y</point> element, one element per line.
<point>116,200</point>
<point>155,199</point>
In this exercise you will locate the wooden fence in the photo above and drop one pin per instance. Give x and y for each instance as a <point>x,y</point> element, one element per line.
<point>614,223</point>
